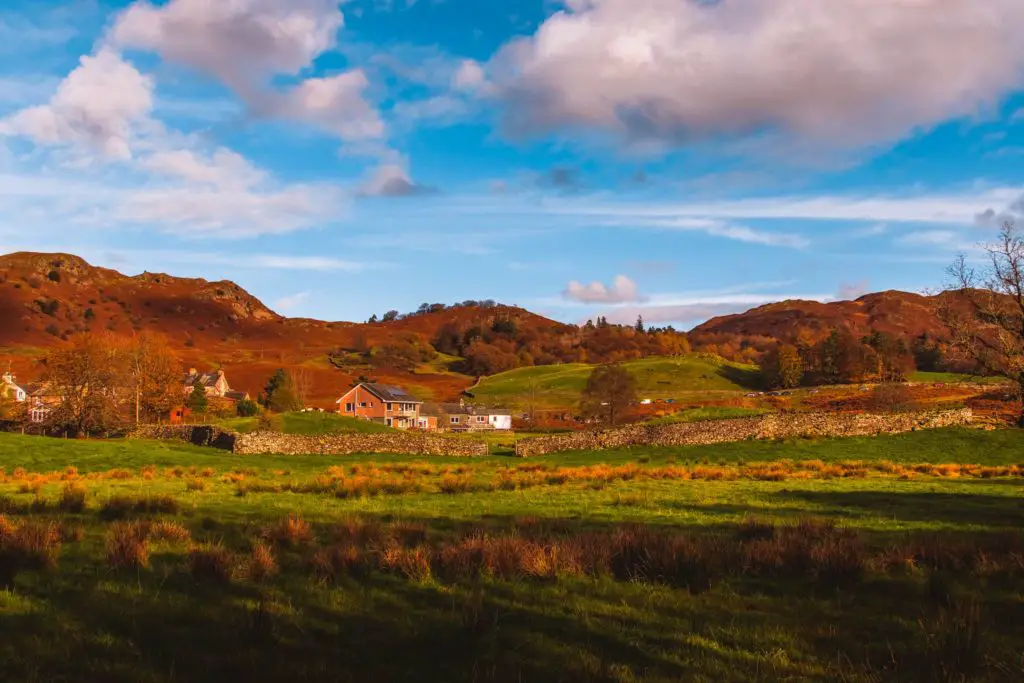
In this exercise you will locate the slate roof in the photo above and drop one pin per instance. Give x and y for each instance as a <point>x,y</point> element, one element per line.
<point>388,392</point>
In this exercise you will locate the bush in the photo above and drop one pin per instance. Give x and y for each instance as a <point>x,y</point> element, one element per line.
<point>247,408</point>
<point>290,532</point>
<point>260,564</point>
<point>29,546</point>
<point>165,530</point>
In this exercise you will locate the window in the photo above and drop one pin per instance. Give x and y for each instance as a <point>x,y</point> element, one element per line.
<point>455,419</point>
<point>362,404</point>
<point>349,407</point>
<point>481,418</point>
<point>391,406</point>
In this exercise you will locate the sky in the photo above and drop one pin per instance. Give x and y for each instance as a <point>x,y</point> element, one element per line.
<point>675,159</point>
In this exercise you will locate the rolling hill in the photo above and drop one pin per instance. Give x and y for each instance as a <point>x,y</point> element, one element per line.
<point>560,386</point>
<point>47,298</point>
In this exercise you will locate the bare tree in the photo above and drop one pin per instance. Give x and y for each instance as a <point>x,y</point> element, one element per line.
<point>85,378</point>
<point>987,317</point>
<point>155,376</point>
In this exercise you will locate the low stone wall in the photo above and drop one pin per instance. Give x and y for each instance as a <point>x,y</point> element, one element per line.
<point>200,435</point>
<point>773,426</point>
<point>265,443</point>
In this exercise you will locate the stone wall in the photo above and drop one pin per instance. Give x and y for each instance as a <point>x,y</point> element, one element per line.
<point>773,426</point>
<point>262,443</point>
<point>200,435</point>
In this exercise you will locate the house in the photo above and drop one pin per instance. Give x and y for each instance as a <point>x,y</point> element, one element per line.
<point>11,389</point>
<point>459,417</point>
<point>38,403</point>
<point>215,383</point>
<point>390,405</point>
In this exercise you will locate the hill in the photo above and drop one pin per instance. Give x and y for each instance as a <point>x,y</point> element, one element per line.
<point>47,298</point>
<point>560,386</point>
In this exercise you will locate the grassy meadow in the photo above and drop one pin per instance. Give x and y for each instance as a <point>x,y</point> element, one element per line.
<point>308,424</point>
<point>893,558</point>
<point>560,386</point>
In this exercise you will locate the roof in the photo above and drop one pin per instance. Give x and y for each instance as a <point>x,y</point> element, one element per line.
<point>236,395</point>
<point>207,379</point>
<point>443,409</point>
<point>388,392</point>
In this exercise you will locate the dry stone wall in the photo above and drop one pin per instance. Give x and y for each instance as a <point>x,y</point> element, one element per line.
<point>261,443</point>
<point>267,443</point>
<point>774,426</point>
<point>200,435</point>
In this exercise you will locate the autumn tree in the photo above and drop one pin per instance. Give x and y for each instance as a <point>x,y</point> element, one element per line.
<point>154,374</point>
<point>987,316</point>
<point>782,367</point>
<point>609,393</point>
<point>86,378</point>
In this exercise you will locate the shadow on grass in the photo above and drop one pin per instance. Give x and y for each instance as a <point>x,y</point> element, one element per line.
<point>953,508</point>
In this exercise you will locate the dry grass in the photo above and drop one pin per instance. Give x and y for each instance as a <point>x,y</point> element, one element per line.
<point>73,498</point>
<point>211,562</point>
<point>291,532</point>
<point>169,531</point>
<point>260,565</point>
<point>197,485</point>
<point>127,545</point>
<point>27,546</point>
<point>121,507</point>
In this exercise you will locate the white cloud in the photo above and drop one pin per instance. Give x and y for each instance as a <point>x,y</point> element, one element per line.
<point>740,233</point>
<point>622,290</point>
<point>223,168</point>
<point>842,74</point>
<point>246,44</point>
<point>941,208</point>
<point>288,304</point>
<point>469,76</point>
<point>95,107</point>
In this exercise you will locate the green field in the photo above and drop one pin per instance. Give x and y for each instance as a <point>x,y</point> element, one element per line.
<point>308,424</point>
<point>680,564</point>
<point>559,386</point>
<point>954,378</point>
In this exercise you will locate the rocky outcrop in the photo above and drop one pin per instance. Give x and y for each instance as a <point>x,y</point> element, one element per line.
<point>775,426</point>
<point>261,443</point>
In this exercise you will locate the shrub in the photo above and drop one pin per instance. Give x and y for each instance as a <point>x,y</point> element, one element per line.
<point>73,498</point>
<point>128,545</point>
<point>211,562</point>
<point>247,408</point>
<point>197,485</point>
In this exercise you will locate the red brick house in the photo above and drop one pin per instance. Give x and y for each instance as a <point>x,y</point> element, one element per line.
<point>389,405</point>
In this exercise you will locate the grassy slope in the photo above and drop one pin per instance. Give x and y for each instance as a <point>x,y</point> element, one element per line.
<point>953,378</point>
<point>85,622</point>
<point>559,386</point>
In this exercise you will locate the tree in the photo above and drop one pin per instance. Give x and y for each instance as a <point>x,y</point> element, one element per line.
<point>85,378</point>
<point>639,324</point>
<point>373,319</point>
<point>280,395</point>
<point>155,376</point>
<point>987,316</point>
<point>390,316</point>
<point>609,393</point>
<point>197,401</point>
<point>782,367</point>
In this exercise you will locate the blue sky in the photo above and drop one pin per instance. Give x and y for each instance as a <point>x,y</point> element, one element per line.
<point>675,159</point>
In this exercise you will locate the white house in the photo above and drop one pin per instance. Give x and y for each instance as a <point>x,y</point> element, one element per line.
<point>12,389</point>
